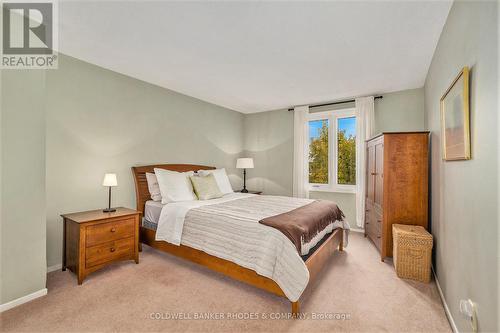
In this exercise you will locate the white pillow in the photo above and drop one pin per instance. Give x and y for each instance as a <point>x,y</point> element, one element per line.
<point>221,178</point>
<point>153,187</point>
<point>175,186</point>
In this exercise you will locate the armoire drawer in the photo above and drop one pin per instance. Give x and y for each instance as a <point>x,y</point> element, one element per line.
<point>368,206</point>
<point>378,219</point>
<point>377,240</point>
<point>373,220</point>
<point>374,228</point>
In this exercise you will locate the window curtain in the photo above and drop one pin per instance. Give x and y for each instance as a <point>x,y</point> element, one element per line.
<point>300,174</point>
<point>365,122</point>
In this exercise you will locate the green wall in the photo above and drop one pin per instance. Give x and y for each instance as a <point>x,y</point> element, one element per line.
<point>464,193</point>
<point>400,111</point>
<point>268,138</point>
<point>100,121</point>
<point>23,235</point>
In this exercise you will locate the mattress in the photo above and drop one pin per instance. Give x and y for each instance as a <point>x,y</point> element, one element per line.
<point>152,211</point>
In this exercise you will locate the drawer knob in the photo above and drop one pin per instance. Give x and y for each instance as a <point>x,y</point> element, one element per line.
<point>379,221</point>
<point>367,223</point>
<point>112,249</point>
<point>113,229</point>
<point>378,236</point>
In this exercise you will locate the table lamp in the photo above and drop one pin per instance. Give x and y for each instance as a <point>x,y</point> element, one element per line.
<point>244,163</point>
<point>109,181</point>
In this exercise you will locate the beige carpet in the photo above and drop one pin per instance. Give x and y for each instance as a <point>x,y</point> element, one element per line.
<point>357,290</point>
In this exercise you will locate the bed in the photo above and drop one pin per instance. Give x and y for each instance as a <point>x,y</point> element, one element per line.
<point>260,276</point>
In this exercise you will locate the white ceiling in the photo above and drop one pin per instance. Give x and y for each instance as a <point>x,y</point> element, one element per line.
<point>258,56</point>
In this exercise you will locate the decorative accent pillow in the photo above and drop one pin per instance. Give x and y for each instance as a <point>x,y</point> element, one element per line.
<point>221,178</point>
<point>153,187</point>
<point>175,186</point>
<point>206,187</point>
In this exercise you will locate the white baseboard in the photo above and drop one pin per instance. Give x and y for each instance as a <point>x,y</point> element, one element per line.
<point>30,297</point>
<point>54,268</point>
<point>357,230</point>
<point>22,300</point>
<point>446,308</point>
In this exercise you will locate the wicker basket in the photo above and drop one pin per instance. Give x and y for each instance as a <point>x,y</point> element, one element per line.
<point>412,252</point>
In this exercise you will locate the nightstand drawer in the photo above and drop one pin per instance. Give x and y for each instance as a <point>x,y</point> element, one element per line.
<point>105,232</point>
<point>109,251</point>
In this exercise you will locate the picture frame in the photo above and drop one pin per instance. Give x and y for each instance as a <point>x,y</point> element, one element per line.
<point>455,121</point>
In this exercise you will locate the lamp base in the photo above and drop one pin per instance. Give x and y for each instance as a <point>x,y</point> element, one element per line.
<point>109,210</point>
<point>244,190</point>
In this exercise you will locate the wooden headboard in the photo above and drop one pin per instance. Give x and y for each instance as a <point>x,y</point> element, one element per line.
<point>141,184</point>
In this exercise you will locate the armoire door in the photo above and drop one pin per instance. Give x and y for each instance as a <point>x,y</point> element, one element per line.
<point>370,169</point>
<point>379,176</point>
<point>378,179</point>
<point>370,189</point>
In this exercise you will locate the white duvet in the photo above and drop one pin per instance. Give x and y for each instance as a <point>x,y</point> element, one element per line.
<point>229,228</point>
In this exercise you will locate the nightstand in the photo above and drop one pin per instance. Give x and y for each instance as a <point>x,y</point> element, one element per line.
<point>94,239</point>
<point>253,192</point>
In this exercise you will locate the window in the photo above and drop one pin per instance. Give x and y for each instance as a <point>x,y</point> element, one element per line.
<point>318,151</point>
<point>346,151</point>
<point>332,151</point>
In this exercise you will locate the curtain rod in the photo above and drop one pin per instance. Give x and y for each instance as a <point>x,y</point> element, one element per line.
<point>335,103</point>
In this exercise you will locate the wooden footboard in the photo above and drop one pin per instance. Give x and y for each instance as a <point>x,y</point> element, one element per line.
<point>317,260</point>
<point>315,263</point>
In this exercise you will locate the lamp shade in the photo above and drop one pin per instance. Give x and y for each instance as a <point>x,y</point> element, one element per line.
<point>244,163</point>
<point>109,180</point>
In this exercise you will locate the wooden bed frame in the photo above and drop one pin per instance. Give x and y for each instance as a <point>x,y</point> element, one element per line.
<point>314,263</point>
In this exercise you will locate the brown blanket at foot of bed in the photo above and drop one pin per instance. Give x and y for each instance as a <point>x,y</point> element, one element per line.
<point>305,222</point>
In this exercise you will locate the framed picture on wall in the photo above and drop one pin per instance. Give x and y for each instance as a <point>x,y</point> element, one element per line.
<point>455,123</point>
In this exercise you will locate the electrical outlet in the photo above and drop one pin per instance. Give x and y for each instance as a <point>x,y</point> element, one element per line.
<point>468,309</point>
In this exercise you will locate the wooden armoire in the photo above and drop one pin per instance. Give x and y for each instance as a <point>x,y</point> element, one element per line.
<point>396,185</point>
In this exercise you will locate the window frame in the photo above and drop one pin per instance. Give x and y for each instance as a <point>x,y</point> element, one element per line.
<point>333,117</point>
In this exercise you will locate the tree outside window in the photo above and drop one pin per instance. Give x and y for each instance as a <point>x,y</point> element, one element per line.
<point>318,152</point>
<point>346,150</point>
<point>340,143</point>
